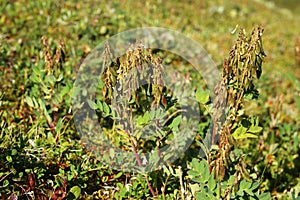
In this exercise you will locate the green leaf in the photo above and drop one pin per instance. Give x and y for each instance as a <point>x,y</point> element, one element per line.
<point>99,105</point>
<point>45,89</point>
<point>118,175</point>
<point>211,182</point>
<point>264,196</point>
<point>196,164</point>
<point>5,183</point>
<point>194,188</point>
<point>92,104</point>
<point>217,190</point>
<point>201,195</point>
<point>202,96</point>
<point>36,70</point>
<point>59,125</point>
<point>249,135</point>
<point>197,180</point>
<point>42,106</point>
<point>255,129</point>
<point>13,152</point>
<point>245,185</point>
<point>34,78</point>
<point>249,191</point>
<point>29,101</point>
<point>160,114</point>
<point>101,83</point>
<point>169,171</point>
<point>21,174</point>
<point>41,64</point>
<point>242,133</point>
<point>240,192</point>
<point>239,132</point>
<point>175,123</point>
<point>152,114</point>
<point>193,173</point>
<point>9,158</point>
<point>50,138</point>
<point>74,193</point>
<point>66,90</point>
<point>35,103</point>
<point>50,79</point>
<point>255,185</point>
<point>57,99</point>
<point>60,77</point>
<point>204,170</point>
<point>106,109</point>
<point>177,120</point>
<point>144,119</point>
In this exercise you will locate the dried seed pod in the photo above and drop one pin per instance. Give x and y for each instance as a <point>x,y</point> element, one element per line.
<point>240,70</point>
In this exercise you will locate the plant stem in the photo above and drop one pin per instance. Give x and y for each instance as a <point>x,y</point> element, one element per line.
<point>138,159</point>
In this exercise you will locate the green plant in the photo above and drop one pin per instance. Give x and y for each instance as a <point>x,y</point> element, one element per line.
<point>203,184</point>
<point>227,166</point>
<point>126,109</point>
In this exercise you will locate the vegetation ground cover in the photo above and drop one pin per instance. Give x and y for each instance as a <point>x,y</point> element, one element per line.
<point>41,152</point>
